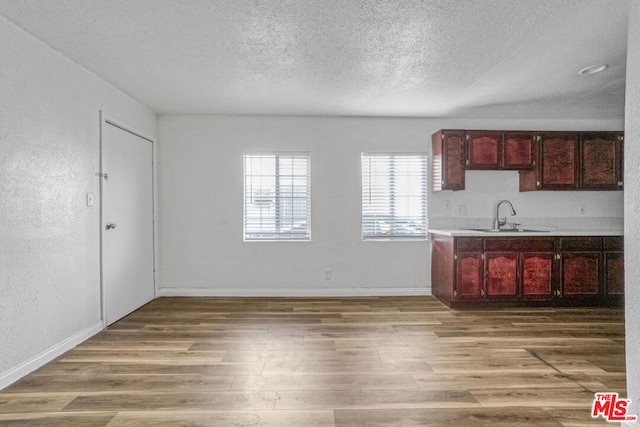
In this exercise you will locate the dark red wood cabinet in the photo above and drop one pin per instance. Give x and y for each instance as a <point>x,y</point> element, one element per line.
<point>537,275</point>
<point>580,274</point>
<point>614,269</point>
<point>519,269</point>
<point>487,150</point>
<point>468,276</point>
<point>511,271</point>
<point>601,161</point>
<point>468,269</point>
<point>558,161</point>
<point>576,161</point>
<point>518,150</point>
<point>580,269</point>
<point>550,160</point>
<point>447,160</point>
<point>501,274</point>
<point>483,149</point>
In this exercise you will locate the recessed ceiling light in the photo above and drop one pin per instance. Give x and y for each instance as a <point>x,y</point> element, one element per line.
<point>593,69</point>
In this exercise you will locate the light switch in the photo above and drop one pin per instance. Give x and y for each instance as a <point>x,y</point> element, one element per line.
<point>89,199</point>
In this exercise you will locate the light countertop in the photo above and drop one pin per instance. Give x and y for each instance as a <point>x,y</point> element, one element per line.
<point>540,232</point>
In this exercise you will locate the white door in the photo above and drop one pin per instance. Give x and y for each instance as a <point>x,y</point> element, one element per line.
<point>127,221</point>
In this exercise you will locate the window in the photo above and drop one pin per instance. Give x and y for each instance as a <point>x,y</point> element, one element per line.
<point>277,197</point>
<point>394,196</point>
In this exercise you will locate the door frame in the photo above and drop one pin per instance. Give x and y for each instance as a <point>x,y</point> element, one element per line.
<point>109,120</point>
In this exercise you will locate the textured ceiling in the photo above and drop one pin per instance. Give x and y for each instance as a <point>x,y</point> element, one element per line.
<point>462,58</point>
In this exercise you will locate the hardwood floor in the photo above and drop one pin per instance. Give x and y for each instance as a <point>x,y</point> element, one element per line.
<point>388,361</point>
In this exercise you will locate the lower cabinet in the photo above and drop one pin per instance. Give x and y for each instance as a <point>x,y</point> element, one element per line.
<point>580,275</point>
<point>580,270</point>
<point>537,275</point>
<point>501,277</point>
<point>613,270</point>
<point>511,271</point>
<point>469,276</point>
<point>519,269</point>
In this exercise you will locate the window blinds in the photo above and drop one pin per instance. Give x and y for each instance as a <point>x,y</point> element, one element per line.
<point>394,196</point>
<point>277,197</point>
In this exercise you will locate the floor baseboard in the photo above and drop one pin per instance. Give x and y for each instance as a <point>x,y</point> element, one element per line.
<point>335,292</point>
<point>14,374</point>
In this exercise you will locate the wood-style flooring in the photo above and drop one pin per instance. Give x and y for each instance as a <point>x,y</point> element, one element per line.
<point>311,362</point>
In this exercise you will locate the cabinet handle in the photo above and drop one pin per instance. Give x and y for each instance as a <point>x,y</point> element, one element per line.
<point>538,184</point>
<point>482,292</point>
<point>455,293</point>
<point>467,162</point>
<point>619,184</point>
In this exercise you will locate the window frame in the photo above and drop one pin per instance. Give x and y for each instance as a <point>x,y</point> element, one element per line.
<point>277,196</point>
<point>425,184</point>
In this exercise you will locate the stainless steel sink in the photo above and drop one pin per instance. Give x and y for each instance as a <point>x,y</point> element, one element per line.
<point>508,230</point>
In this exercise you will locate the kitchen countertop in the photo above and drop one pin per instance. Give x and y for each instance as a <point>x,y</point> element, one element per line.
<point>476,233</point>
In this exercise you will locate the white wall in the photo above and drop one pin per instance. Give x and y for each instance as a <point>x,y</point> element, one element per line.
<point>200,202</point>
<point>201,250</point>
<point>632,208</point>
<point>49,238</point>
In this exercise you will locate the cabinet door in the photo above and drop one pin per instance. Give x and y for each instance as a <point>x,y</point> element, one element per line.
<point>447,164</point>
<point>517,150</point>
<point>601,161</point>
<point>501,274</point>
<point>614,273</point>
<point>559,157</point>
<point>537,275</point>
<point>580,274</point>
<point>483,148</point>
<point>468,276</point>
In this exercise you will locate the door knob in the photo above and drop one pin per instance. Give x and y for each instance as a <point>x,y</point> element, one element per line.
<point>110,226</point>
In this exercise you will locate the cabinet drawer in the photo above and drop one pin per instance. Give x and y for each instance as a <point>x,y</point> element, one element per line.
<point>520,244</point>
<point>581,244</point>
<point>613,243</point>
<point>469,244</point>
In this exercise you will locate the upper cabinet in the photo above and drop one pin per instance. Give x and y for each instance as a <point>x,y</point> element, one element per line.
<point>483,149</point>
<point>447,166</point>
<point>576,161</point>
<point>547,160</point>
<point>518,150</point>
<point>601,161</point>
<point>558,161</point>
<point>488,150</point>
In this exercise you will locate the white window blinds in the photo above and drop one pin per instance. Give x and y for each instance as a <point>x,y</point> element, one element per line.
<point>394,196</point>
<point>277,197</point>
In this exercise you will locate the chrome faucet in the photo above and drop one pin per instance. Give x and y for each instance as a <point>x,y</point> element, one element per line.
<point>497,222</point>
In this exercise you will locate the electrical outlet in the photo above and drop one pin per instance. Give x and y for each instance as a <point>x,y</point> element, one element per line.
<point>327,274</point>
<point>462,210</point>
<point>447,205</point>
<point>582,209</point>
